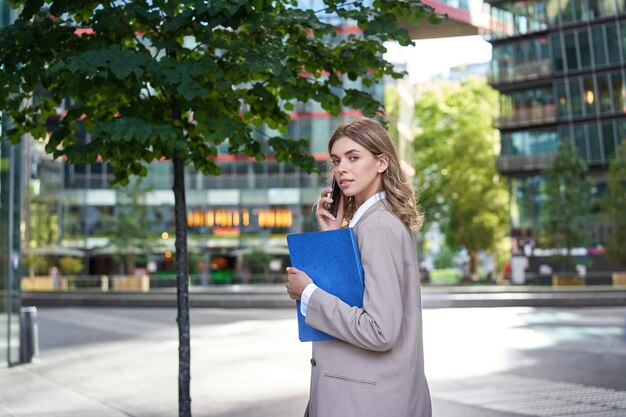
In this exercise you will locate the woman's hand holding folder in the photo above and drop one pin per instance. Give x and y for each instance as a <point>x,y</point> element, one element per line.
<point>297,281</point>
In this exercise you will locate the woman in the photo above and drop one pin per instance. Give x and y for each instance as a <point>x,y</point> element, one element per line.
<point>376,366</point>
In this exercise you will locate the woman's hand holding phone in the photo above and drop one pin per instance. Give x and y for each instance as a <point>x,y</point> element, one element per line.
<point>330,200</point>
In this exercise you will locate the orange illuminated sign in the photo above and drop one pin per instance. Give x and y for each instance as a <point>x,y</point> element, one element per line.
<point>234,217</point>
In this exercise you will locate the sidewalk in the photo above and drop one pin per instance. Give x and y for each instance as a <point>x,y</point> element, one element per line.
<point>273,296</point>
<point>500,362</point>
<point>25,393</point>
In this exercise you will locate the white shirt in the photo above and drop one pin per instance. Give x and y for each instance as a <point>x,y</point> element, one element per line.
<point>309,289</point>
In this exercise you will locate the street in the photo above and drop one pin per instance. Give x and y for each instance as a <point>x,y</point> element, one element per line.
<point>487,362</point>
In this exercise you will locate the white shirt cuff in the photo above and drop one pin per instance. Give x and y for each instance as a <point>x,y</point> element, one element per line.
<point>304,298</point>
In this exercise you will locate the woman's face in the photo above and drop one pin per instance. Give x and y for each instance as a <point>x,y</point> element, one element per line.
<point>357,170</point>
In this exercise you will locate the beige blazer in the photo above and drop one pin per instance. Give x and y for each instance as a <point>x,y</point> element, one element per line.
<point>376,368</point>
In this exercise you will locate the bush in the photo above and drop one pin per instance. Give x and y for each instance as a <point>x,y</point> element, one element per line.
<point>256,260</point>
<point>448,276</point>
<point>35,265</point>
<point>70,266</point>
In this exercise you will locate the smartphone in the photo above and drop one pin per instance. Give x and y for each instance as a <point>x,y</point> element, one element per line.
<point>336,195</point>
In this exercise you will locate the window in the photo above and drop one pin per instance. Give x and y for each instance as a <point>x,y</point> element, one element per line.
<point>503,21</point>
<point>507,145</point>
<point>525,201</point>
<point>623,33</point>
<point>612,43</point>
<point>537,13</point>
<point>541,49</point>
<point>561,95</point>
<point>518,143</point>
<point>543,142</point>
<point>273,169</point>
<point>97,219</point>
<point>599,46</point>
<point>576,97</point>
<point>552,10</point>
<point>521,19</point>
<point>73,222</point>
<point>521,51</point>
<point>608,140</point>
<point>80,169</point>
<point>622,132</point>
<point>579,10</point>
<point>589,96</point>
<point>300,128</point>
<point>571,51</point>
<point>567,14</point>
<point>579,139</point>
<point>557,53</point>
<point>594,9</point>
<point>604,93</point>
<point>585,51</point>
<point>617,92</point>
<point>160,175</point>
<point>564,134</point>
<point>608,7</point>
<point>260,168</point>
<point>502,57</point>
<point>320,132</point>
<point>595,153</point>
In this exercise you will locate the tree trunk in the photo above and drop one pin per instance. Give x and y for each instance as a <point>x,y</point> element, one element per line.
<point>569,258</point>
<point>473,272</point>
<point>182,289</point>
<point>130,263</point>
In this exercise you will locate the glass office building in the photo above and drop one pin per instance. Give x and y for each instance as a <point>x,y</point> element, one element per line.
<point>250,206</point>
<point>559,66</point>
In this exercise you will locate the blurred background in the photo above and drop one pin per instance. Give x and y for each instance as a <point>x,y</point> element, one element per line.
<point>510,124</point>
<point>488,96</point>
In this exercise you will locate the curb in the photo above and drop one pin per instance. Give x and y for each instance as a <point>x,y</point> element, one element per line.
<point>274,297</point>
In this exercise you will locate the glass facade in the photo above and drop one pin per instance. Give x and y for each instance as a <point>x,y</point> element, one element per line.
<point>249,206</point>
<point>516,18</point>
<point>10,198</point>
<point>10,203</point>
<point>560,67</point>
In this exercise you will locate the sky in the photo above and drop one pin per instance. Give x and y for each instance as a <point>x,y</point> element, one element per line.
<point>435,56</point>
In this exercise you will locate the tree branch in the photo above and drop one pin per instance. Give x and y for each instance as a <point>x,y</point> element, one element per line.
<point>342,5</point>
<point>154,28</point>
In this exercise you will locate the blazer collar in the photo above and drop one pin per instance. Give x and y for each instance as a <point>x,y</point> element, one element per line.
<point>376,207</point>
<point>366,206</point>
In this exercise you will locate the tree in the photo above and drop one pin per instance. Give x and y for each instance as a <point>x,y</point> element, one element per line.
<point>457,182</point>
<point>256,262</point>
<point>152,80</point>
<point>446,258</point>
<point>613,206</point>
<point>566,203</point>
<point>129,229</point>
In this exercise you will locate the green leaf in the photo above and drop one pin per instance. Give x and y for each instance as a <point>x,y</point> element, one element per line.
<point>140,93</point>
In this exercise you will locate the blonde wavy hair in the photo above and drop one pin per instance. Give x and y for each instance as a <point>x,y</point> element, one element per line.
<point>400,198</point>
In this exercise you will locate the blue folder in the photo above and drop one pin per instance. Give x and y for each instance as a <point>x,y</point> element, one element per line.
<point>333,262</point>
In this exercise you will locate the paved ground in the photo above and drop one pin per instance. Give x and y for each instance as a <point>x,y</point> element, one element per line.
<point>496,362</point>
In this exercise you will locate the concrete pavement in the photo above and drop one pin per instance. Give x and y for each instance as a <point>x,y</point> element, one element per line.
<point>496,362</point>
